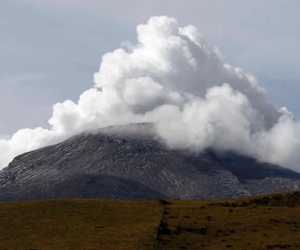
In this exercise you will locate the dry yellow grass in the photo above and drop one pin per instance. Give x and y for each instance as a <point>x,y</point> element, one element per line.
<point>79,224</point>
<point>252,223</point>
<point>267,222</point>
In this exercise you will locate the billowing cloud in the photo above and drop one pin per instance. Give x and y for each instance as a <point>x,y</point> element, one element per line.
<point>173,79</point>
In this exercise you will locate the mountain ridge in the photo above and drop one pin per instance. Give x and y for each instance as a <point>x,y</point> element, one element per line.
<point>131,158</point>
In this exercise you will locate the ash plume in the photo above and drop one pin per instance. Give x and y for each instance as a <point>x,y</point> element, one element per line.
<point>175,80</point>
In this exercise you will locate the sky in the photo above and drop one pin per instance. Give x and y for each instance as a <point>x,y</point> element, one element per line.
<point>49,50</point>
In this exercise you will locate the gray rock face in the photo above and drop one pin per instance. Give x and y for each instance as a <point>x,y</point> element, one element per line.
<point>125,165</point>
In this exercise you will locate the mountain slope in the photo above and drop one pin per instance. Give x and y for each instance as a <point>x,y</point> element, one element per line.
<point>129,162</point>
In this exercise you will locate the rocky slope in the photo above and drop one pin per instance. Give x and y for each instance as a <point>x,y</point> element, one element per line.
<point>129,163</point>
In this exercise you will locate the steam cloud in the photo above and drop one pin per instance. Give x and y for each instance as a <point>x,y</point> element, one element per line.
<point>172,78</point>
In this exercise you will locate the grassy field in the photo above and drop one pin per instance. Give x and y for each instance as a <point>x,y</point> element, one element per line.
<point>79,224</point>
<point>266,222</point>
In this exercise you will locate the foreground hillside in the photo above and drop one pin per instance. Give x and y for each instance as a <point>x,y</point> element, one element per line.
<point>79,224</point>
<point>265,222</point>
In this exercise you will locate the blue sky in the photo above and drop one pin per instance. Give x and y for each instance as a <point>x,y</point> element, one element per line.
<point>49,50</point>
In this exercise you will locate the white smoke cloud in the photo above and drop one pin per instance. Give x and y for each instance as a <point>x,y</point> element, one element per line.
<point>172,78</point>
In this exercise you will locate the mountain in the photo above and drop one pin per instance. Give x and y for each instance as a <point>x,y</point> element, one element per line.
<point>130,162</point>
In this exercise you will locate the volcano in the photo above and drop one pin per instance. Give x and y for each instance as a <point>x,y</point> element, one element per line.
<point>130,162</point>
